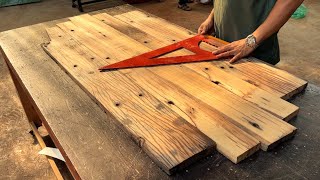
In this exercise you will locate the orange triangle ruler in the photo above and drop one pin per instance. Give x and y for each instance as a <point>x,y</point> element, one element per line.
<point>153,58</point>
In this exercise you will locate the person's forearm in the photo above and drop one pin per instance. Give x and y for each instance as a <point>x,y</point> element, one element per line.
<point>278,16</point>
<point>211,15</point>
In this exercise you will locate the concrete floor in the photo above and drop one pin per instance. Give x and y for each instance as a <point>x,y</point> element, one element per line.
<point>18,149</point>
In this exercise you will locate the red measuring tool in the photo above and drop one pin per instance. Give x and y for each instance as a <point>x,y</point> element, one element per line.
<point>152,58</point>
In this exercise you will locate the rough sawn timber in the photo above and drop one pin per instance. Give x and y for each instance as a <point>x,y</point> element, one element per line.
<point>197,113</point>
<point>266,77</point>
<point>247,91</point>
<point>123,44</point>
<point>165,136</point>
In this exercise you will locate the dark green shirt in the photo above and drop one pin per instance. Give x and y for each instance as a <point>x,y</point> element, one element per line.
<point>236,19</point>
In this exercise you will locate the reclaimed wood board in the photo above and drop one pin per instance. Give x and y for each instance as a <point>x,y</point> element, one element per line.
<point>155,39</point>
<point>175,113</point>
<point>273,80</point>
<point>163,134</point>
<point>241,143</point>
<point>91,141</point>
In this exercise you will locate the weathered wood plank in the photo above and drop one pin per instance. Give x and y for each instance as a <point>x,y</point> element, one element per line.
<point>90,140</point>
<point>195,112</point>
<point>279,82</point>
<point>97,148</point>
<point>265,127</point>
<point>166,137</point>
<point>247,91</point>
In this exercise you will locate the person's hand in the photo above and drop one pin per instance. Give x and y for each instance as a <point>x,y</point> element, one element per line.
<point>236,50</point>
<point>206,27</point>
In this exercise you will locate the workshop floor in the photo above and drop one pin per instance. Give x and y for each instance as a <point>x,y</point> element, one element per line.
<point>18,149</point>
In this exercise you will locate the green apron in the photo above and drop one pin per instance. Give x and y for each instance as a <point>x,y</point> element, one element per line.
<point>236,19</point>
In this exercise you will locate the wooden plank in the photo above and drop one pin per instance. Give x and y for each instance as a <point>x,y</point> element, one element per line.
<point>281,83</point>
<point>201,118</point>
<point>93,144</point>
<point>207,119</point>
<point>247,91</point>
<point>166,137</point>
<point>33,119</point>
<point>265,127</point>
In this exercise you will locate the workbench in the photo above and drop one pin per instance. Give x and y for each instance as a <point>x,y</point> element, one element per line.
<point>95,147</point>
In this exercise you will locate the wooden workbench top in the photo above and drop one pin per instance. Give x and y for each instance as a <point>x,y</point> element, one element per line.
<point>93,145</point>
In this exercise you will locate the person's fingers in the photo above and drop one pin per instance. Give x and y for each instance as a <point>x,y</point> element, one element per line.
<point>235,58</point>
<point>199,30</point>
<point>222,49</point>
<point>226,54</point>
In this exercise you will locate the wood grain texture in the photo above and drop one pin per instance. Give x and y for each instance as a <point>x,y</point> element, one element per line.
<point>201,115</point>
<point>281,131</point>
<point>268,129</point>
<point>247,91</point>
<point>211,100</point>
<point>279,82</point>
<point>90,140</point>
<point>166,137</point>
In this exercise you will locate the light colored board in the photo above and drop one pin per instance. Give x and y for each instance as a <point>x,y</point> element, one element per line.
<point>265,127</point>
<point>165,136</point>
<point>279,82</point>
<point>207,119</point>
<point>247,91</point>
<point>90,140</point>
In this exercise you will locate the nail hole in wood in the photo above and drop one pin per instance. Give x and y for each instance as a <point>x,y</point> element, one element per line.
<point>102,19</point>
<point>92,58</point>
<point>72,30</point>
<point>254,125</point>
<point>107,58</point>
<point>117,104</point>
<point>221,67</point>
<point>75,65</point>
<point>206,69</point>
<point>131,21</point>
<point>145,42</point>
<point>216,82</point>
<point>59,36</point>
<point>171,102</point>
<point>140,94</point>
<point>173,40</point>
<point>231,67</point>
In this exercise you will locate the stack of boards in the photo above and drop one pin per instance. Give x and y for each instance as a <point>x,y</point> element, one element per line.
<point>177,113</point>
